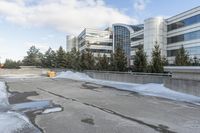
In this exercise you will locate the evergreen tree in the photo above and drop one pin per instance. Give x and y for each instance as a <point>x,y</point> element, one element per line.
<point>98,61</point>
<point>61,58</point>
<point>140,60</point>
<point>33,57</point>
<point>157,61</point>
<point>10,64</point>
<point>88,60</point>
<point>120,60</point>
<point>111,62</point>
<point>75,59</point>
<point>182,58</point>
<point>102,63</point>
<point>196,61</point>
<point>49,59</point>
<point>83,58</point>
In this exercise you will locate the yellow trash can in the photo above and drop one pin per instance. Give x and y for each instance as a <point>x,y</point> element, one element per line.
<point>51,74</point>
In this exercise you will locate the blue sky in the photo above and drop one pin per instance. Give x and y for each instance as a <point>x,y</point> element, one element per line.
<point>45,23</point>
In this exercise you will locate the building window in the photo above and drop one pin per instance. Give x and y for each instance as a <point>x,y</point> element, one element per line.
<point>100,51</point>
<point>192,51</point>
<point>122,39</point>
<point>171,53</point>
<point>184,37</point>
<point>186,22</point>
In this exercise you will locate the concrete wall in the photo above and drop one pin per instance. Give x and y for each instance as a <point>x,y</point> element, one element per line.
<point>182,85</point>
<point>24,71</point>
<point>184,79</point>
<point>128,77</point>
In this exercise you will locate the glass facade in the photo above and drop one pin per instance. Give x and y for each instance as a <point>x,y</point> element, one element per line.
<point>186,22</point>
<point>184,37</point>
<point>192,51</point>
<point>122,39</point>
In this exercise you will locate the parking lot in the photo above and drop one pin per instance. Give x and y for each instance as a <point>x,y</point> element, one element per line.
<point>91,108</point>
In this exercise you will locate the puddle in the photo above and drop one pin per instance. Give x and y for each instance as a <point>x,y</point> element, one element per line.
<point>17,97</point>
<point>90,86</point>
<point>89,121</point>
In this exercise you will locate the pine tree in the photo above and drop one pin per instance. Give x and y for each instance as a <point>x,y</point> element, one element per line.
<point>98,62</point>
<point>140,60</point>
<point>75,59</point>
<point>196,61</point>
<point>61,58</point>
<point>102,63</point>
<point>120,60</point>
<point>10,64</point>
<point>87,60</point>
<point>111,63</point>
<point>33,57</point>
<point>182,57</point>
<point>157,62</point>
<point>49,59</point>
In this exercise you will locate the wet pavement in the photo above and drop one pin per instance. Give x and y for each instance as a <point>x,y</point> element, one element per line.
<point>90,108</point>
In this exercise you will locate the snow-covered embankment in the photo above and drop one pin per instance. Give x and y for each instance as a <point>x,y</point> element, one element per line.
<point>157,90</point>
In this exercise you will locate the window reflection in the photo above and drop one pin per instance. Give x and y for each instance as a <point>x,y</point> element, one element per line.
<point>186,22</point>
<point>184,37</point>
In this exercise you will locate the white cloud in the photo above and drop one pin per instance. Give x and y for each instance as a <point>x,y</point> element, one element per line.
<point>140,5</point>
<point>69,16</point>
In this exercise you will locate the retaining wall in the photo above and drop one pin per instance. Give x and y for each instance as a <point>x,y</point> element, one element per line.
<point>24,71</point>
<point>182,85</point>
<point>139,78</point>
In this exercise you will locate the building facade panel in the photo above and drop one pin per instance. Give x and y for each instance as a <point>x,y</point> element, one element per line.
<point>154,34</point>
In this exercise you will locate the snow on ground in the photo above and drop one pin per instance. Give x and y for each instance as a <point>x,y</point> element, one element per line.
<point>151,89</point>
<point>3,95</point>
<point>11,122</point>
<point>73,75</point>
<point>51,110</point>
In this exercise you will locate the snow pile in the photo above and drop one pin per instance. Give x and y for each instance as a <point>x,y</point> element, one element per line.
<point>11,122</point>
<point>157,90</point>
<point>73,75</point>
<point>51,110</point>
<point>3,95</point>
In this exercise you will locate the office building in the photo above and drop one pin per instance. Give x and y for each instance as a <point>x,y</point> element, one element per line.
<point>99,42</point>
<point>72,42</point>
<point>184,30</point>
<point>122,37</point>
<point>170,34</point>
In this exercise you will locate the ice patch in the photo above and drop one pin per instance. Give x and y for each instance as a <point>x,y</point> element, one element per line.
<point>51,110</point>
<point>157,90</point>
<point>3,95</point>
<point>31,106</point>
